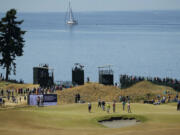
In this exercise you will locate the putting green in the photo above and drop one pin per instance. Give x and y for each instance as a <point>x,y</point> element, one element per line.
<point>75,119</point>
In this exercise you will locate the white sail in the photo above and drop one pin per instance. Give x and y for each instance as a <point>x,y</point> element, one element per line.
<point>71,19</point>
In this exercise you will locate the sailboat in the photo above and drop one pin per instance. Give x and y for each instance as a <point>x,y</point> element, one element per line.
<point>71,19</point>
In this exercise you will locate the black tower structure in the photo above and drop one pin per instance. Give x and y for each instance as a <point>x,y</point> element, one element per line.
<point>78,74</point>
<point>106,75</point>
<point>43,75</point>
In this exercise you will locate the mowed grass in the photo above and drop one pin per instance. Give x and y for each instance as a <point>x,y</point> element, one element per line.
<point>74,119</point>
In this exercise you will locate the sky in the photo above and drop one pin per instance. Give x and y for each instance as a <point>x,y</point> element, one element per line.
<point>88,5</point>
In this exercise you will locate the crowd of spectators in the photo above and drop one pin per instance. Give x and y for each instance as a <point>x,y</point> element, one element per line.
<point>16,95</point>
<point>127,81</point>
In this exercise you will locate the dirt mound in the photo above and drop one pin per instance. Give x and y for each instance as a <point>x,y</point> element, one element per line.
<point>93,91</point>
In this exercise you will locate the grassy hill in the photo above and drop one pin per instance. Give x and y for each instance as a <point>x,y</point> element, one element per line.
<point>89,92</point>
<point>93,91</point>
<point>141,89</point>
<point>7,85</point>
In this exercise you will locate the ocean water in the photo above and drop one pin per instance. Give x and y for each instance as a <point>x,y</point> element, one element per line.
<point>144,43</point>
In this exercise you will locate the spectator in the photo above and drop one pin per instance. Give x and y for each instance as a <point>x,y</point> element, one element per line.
<point>103,105</point>
<point>178,105</point>
<point>114,106</point>
<point>120,98</point>
<point>24,97</point>
<point>99,103</point>
<point>129,107</point>
<point>123,103</point>
<point>89,107</point>
<point>127,81</point>
<point>108,107</point>
<point>169,97</point>
<point>2,92</point>
<point>20,99</point>
<point>3,102</point>
<point>38,101</point>
<point>88,80</point>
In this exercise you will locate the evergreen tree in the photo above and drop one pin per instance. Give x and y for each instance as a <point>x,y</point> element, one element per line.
<point>11,41</point>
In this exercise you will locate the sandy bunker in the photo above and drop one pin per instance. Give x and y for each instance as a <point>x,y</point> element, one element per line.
<point>119,122</point>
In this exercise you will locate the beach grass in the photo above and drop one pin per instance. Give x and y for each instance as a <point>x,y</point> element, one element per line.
<point>13,86</point>
<point>94,91</point>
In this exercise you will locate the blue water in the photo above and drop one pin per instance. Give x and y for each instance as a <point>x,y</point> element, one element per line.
<point>135,43</point>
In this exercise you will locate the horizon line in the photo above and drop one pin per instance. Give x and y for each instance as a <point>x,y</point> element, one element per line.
<point>148,10</point>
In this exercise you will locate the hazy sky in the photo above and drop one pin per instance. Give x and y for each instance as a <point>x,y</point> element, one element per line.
<point>88,5</point>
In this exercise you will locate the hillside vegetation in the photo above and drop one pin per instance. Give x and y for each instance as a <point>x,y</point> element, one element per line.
<point>93,91</point>
<point>7,85</point>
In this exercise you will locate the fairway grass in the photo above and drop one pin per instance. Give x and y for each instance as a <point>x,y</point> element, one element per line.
<point>74,119</point>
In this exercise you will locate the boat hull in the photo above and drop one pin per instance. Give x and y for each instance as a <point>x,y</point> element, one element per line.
<point>72,22</point>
